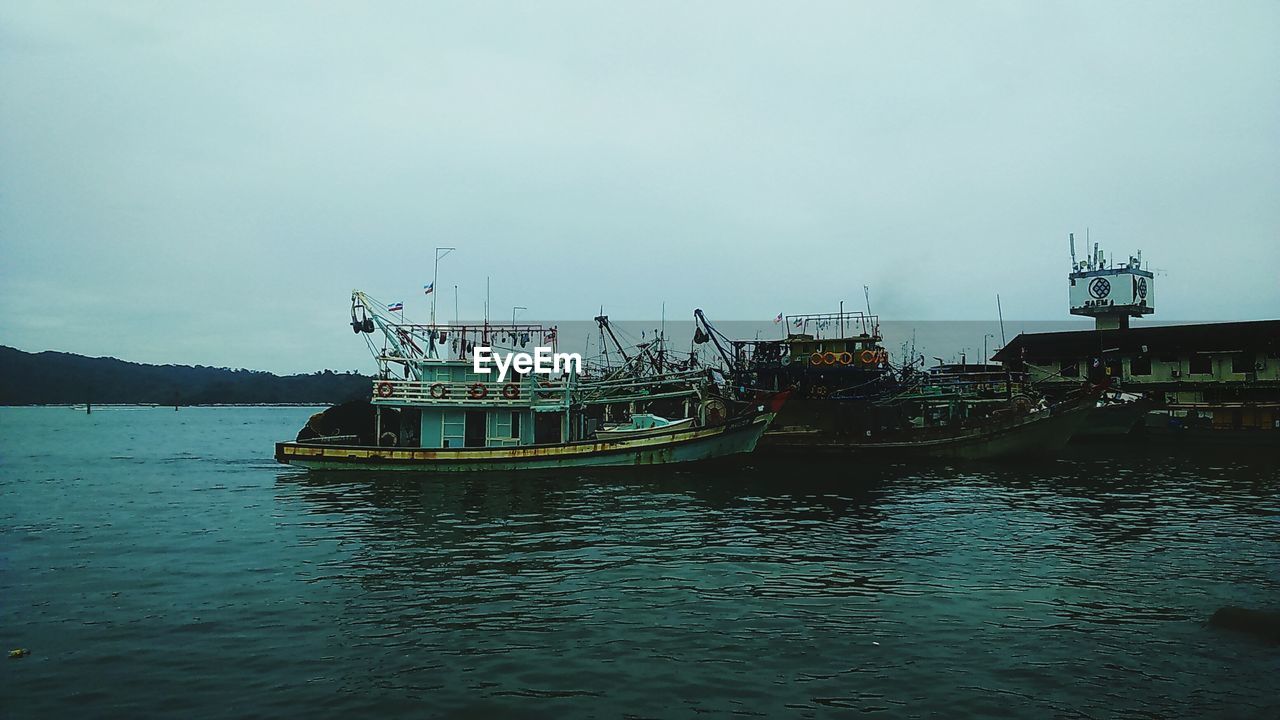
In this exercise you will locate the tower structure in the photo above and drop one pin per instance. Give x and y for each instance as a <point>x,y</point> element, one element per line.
<point>1110,293</point>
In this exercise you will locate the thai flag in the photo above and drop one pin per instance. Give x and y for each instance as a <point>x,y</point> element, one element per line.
<point>428,288</point>
<point>396,307</point>
<point>778,319</point>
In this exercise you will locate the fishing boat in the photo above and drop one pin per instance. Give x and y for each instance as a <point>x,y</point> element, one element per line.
<point>820,355</point>
<point>955,411</point>
<point>945,414</point>
<point>851,399</point>
<point>430,410</point>
<point>643,425</point>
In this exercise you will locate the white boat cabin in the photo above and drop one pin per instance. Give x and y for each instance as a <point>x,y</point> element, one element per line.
<point>452,406</point>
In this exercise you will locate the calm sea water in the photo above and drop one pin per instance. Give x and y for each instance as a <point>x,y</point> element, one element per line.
<point>158,563</point>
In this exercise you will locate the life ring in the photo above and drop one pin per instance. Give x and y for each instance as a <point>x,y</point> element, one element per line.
<point>829,358</point>
<point>385,389</point>
<point>511,391</point>
<point>867,356</point>
<point>815,359</point>
<point>477,391</point>
<point>845,358</point>
<point>439,391</point>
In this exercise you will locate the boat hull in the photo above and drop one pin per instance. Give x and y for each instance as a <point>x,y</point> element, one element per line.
<point>1036,435</point>
<point>1113,421</point>
<point>683,446</point>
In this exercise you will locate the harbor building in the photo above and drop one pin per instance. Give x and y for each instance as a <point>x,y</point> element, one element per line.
<point>1195,377</point>
<point>1226,375</point>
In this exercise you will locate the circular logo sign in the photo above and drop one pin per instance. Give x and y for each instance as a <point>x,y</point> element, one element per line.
<point>1100,288</point>
<point>1142,288</point>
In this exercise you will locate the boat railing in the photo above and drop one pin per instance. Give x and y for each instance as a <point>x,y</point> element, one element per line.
<point>537,393</point>
<point>413,341</point>
<point>667,385</point>
<point>335,440</point>
<point>826,326</point>
<point>526,393</point>
<point>969,386</point>
<point>750,354</point>
<point>643,380</point>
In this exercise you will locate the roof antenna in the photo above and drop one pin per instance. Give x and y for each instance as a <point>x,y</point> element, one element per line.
<point>1072,236</point>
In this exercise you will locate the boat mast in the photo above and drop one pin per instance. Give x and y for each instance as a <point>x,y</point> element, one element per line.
<point>866,292</point>
<point>396,336</point>
<point>435,290</point>
<point>662,337</point>
<point>712,334</point>
<point>435,277</point>
<point>603,321</point>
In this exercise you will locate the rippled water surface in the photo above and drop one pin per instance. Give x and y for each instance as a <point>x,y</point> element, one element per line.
<point>159,563</point>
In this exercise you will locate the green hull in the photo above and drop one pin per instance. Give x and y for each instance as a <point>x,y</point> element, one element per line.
<point>684,446</point>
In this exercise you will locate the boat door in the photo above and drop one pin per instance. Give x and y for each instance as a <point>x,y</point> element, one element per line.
<point>546,428</point>
<point>476,433</point>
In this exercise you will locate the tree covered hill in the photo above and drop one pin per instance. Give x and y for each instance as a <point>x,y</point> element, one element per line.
<point>63,378</point>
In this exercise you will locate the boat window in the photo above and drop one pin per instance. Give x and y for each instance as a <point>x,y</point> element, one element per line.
<point>1242,363</point>
<point>1140,365</point>
<point>1201,364</point>
<point>1069,368</point>
<point>515,424</point>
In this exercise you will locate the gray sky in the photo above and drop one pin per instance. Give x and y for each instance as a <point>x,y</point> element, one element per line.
<point>206,182</point>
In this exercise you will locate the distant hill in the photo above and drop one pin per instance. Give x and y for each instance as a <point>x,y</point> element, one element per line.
<point>63,378</point>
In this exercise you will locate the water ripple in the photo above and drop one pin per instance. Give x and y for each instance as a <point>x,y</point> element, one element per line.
<point>196,578</point>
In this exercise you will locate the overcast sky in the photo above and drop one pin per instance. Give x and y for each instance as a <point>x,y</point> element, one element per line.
<point>206,182</point>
